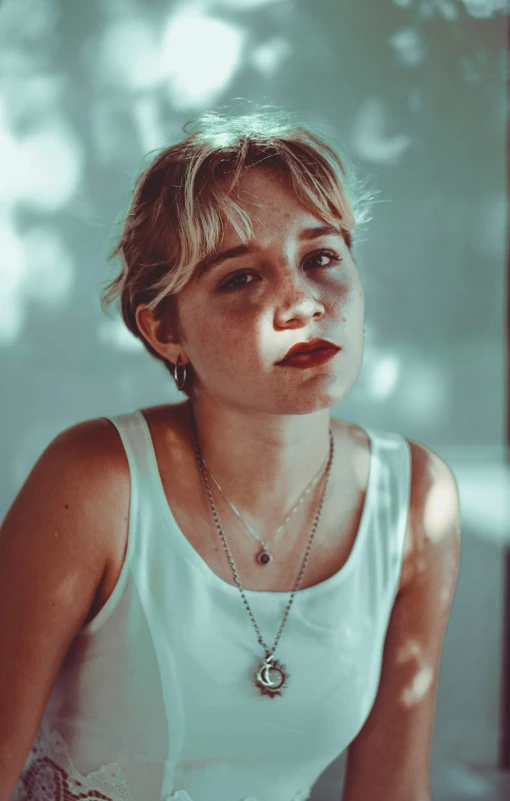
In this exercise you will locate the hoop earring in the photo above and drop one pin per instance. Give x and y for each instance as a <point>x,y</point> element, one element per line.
<point>180,383</point>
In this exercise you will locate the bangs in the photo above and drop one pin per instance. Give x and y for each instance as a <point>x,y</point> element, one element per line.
<point>207,204</point>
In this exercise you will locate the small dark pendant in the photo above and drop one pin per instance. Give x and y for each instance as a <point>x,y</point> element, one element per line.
<point>264,557</point>
<point>271,677</point>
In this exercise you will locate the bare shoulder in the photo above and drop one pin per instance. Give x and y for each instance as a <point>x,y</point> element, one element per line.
<point>96,438</point>
<point>92,455</point>
<point>433,528</point>
<point>96,448</point>
<point>75,478</point>
<point>81,476</point>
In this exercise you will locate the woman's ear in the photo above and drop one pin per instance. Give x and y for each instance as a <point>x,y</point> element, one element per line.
<point>158,333</point>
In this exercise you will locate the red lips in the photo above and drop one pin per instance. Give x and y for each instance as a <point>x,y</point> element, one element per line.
<point>305,347</point>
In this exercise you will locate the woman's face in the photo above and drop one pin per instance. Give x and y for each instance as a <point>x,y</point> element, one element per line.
<point>242,314</point>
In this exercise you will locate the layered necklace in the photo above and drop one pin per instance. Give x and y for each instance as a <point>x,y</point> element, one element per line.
<point>264,556</point>
<point>270,675</point>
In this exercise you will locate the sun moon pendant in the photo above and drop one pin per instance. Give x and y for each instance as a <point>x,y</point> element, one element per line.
<point>264,557</point>
<point>271,677</point>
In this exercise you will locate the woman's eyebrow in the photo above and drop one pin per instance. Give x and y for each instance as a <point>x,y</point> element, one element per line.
<point>313,232</point>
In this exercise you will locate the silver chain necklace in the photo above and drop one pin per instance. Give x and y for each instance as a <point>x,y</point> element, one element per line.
<point>264,556</point>
<point>271,675</point>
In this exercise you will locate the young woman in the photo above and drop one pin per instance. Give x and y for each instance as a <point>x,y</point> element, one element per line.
<point>212,600</point>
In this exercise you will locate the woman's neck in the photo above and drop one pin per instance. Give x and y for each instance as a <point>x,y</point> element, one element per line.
<point>262,462</point>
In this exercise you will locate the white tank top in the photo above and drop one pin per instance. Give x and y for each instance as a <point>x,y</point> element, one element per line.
<point>155,698</point>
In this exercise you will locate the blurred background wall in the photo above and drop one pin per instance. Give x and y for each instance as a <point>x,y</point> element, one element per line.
<point>413,93</point>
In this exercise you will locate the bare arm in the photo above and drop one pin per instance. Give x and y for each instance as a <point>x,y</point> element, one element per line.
<point>54,548</point>
<point>389,760</point>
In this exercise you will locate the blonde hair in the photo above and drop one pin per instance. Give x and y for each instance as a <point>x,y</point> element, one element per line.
<point>181,201</point>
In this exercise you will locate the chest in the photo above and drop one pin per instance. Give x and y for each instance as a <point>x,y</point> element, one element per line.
<point>331,547</point>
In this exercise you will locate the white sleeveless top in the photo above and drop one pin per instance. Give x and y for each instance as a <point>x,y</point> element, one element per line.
<point>155,698</point>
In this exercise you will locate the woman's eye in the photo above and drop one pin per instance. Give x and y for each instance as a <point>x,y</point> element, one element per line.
<point>231,285</point>
<point>332,256</point>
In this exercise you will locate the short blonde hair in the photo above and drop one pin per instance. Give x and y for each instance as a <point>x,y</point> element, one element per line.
<point>181,201</point>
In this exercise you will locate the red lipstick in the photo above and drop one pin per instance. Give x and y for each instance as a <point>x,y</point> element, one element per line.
<point>306,354</point>
<point>310,359</point>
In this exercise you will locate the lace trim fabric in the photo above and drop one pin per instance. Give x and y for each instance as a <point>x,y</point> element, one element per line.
<point>51,775</point>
